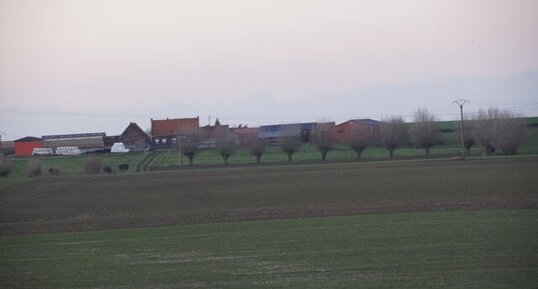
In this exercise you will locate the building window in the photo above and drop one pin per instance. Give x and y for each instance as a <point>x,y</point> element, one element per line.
<point>174,140</point>
<point>157,141</point>
<point>164,141</point>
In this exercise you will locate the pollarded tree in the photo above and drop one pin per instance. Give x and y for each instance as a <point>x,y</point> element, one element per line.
<point>359,138</point>
<point>324,141</point>
<point>500,129</point>
<point>425,132</point>
<point>257,148</point>
<point>394,134</point>
<point>226,145</point>
<point>189,147</point>
<point>510,130</point>
<point>290,145</point>
<point>484,132</point>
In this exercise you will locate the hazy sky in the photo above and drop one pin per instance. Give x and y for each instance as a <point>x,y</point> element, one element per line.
<point>89,66</point>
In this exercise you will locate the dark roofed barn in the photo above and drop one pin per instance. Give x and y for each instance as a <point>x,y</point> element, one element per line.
<point>134,138</point>
<point>84,141</point>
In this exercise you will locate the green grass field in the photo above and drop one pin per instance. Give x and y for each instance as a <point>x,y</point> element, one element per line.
<point>386,224</point>
<point>476,249</point>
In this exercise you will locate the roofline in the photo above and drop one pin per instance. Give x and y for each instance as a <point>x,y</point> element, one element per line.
<point>184,118</point>
<point>363,120</point>
<point>74,135</point>
<point>33,138</point>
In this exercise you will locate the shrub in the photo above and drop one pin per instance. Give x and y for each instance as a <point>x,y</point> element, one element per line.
<point>33,169</point>
<point>93,165</point>
<point>123,167</point>
<point>107,169</point>
<point>54,171</point>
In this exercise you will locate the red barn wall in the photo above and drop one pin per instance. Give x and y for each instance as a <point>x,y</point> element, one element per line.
<point>26,148</point>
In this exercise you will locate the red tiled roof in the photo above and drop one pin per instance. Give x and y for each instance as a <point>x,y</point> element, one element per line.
<point>167,127</point>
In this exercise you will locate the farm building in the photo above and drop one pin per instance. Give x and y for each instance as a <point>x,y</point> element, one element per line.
<point>345,129</point>
<point>87,142</point>
<point>245,135</point>
<point>110,140</point>
<point>134,138</point>
<point>7,147</point>
<point>26,145</point>
<point>305,130</point>
<point>165,132</point>
<point>209,134</point>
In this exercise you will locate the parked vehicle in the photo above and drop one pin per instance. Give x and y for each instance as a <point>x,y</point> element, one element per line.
<point>42,151</point>
<point>68,151</point>
<point>119,147</point>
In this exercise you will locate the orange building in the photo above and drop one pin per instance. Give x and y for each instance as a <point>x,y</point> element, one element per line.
<point>346,129</point>
<point>245,135</point>
<point>26,145</point>
<point>164,133</point>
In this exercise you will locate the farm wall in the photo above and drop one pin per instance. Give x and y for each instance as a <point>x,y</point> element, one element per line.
<point>26,148</point>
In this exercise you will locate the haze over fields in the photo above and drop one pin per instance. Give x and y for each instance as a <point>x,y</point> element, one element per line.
<point>89,66</point>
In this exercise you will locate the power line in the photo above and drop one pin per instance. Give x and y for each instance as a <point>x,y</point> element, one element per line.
<point>441,111</point>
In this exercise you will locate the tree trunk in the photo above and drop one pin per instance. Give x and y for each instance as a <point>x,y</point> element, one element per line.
<point>391,153</point>
<point>289,157</point>
<point>190,160</point>
<point>468,150</point>
<point>323,155</point>
<point>427,151</point>
<point>258,158</point>
<point>225,160</point>
<point>490,150</point>
<point>359,154</point>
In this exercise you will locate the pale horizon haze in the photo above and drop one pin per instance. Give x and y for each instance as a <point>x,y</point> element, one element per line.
<point>94,66</point>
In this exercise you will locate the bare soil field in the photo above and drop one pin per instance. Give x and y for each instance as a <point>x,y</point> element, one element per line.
<point>135,200</point>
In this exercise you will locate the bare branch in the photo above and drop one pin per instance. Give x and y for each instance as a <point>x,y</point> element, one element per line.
<point>394,134</point>
<point>425,132</point>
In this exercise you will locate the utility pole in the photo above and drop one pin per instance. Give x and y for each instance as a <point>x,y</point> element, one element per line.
<point>178,139</point>
<point>461,102</point>
<point>180,153</point>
